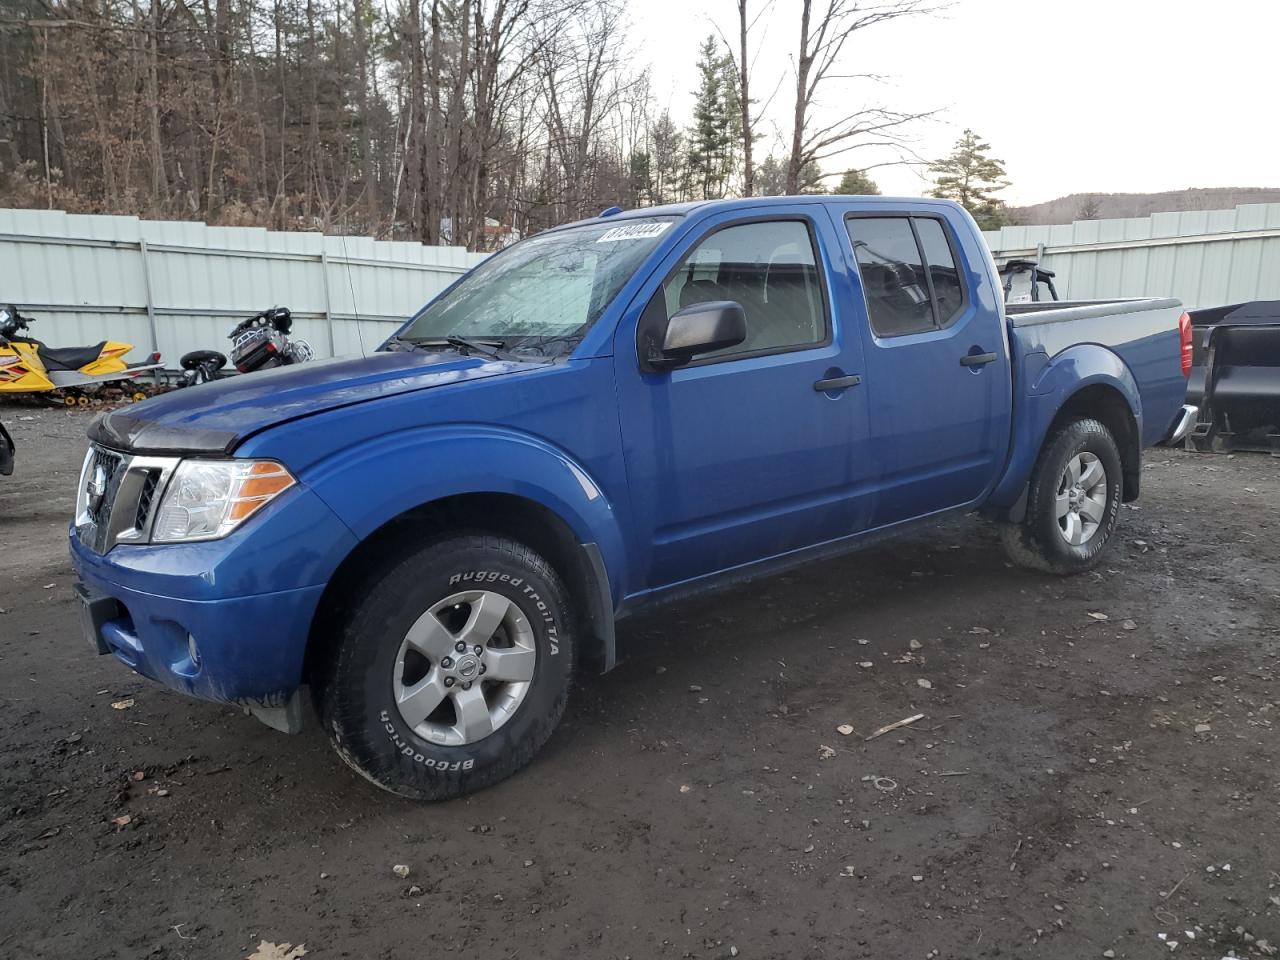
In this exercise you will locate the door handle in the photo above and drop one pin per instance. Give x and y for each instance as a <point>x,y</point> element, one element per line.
<point>836,383</point>
<point>977,359</point>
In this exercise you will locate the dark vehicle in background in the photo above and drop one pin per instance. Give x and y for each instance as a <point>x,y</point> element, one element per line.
<point>6,452</point>
<point>602,417</point>
<point>1235,377</point>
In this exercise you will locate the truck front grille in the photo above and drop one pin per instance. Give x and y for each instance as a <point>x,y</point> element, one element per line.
<point>150,482</point>
<point>117,497</point>
<point>109,461</point>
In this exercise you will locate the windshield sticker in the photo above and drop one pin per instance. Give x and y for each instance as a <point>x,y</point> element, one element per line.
<point>635,231</point>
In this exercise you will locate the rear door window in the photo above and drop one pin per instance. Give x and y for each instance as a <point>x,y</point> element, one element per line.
<point>909,273</point>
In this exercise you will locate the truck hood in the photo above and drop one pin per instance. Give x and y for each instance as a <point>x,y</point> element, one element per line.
<point>215,418</point>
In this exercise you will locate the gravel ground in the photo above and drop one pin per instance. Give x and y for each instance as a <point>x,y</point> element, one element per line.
<point>1094,774</point>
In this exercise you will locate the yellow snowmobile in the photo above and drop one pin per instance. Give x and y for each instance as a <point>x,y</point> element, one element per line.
<point>29,366</point>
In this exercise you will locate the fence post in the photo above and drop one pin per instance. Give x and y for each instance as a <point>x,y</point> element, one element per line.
<point>151,303</point>
<point>328,303</point>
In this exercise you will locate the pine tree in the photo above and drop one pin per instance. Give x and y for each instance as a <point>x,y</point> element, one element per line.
<point>667,167</point>
<point>771,178</point>
<point>810,179</point>
<point>716,123</point>
<point>640,184</point>
<point>857,182</point>
<point>972,178</point>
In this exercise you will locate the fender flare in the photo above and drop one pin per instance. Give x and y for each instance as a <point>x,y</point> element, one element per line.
<point>417,467</point>
<point>1050,386</point>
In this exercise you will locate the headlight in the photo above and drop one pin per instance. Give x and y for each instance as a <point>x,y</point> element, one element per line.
<point>207,499</point>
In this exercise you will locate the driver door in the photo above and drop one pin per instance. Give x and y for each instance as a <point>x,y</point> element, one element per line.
<point>736,456</point>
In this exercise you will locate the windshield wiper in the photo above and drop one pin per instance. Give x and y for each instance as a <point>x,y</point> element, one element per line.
<point>487,348</point>
<point>465,345</point>
<point>403,343</point>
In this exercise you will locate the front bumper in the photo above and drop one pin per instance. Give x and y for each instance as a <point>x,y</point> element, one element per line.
<point>187,616</point>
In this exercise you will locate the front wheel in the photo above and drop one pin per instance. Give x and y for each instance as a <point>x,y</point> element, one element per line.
<point>450,669</point>
<point>1073,503</point>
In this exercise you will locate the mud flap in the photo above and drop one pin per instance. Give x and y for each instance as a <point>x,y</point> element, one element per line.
<point>604,642</point>
<point>286,718</point>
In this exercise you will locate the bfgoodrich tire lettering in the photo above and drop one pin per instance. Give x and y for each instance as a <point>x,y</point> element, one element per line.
<point>1043,541</point>
<point>361,688</point>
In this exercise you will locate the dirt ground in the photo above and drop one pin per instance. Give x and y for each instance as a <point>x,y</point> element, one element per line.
<point>1095,771</point>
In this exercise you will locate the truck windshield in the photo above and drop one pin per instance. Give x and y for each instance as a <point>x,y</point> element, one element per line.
<point>544,291</point>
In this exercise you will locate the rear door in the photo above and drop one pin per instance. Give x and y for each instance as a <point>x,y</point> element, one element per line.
<point>738,456</point>
<point>938,379</point>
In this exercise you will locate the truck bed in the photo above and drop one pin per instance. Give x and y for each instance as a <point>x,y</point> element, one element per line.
<point>1142,332</point>
<point>1058,311</point>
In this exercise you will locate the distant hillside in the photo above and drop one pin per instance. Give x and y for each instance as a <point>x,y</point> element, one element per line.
<point>1100,206</point>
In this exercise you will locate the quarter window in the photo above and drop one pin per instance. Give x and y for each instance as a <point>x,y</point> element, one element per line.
<point>770,268</point>
<point>909,273</point>
<point>948,288</point>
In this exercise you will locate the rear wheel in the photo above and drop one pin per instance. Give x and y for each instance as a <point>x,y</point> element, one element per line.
<point>1073,503</point>
<point>451,668</point>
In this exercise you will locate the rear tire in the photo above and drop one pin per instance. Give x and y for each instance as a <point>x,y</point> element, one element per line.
<point>1073,503</point>
<point>475,611</point>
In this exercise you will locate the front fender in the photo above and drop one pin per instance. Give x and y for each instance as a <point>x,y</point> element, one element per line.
<point>409,469</point>
<point>1047,386</point>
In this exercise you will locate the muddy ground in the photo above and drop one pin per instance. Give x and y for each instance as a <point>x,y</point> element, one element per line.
<point>1078,784</point>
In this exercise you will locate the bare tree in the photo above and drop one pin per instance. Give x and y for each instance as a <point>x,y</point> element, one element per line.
<point>399,118</point>
<point>1089,207</point>
<point>824,35</point>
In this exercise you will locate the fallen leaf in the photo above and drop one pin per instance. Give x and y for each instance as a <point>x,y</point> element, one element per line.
<point>50,586</point>
<point>1099,616</point>
<point>825,752</point>
<point>138,775</point>
<point>123,704</point>
<point>685,788</point>
<point>122,821</point>
<point>278,951</point>
<point>922,682</point>
<point>844,729</point>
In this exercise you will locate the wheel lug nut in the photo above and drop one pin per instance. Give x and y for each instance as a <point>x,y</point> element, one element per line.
<point>483,669</point>
<point>448,681</point>
<point>447,662</point>
<point>460,647</point>
<point>466,685</point>
<point>478,650</point>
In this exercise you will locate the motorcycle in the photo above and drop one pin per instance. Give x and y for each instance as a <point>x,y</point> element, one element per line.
<point>257,343</point>
<point>29,366</point>
<point>201,366</point>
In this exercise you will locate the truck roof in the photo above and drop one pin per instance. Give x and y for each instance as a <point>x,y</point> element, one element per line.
<point>744,203</point>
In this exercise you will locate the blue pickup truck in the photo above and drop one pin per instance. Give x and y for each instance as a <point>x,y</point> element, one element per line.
<point>606,415</point>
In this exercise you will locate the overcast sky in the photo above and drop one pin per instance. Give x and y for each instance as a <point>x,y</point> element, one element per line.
<point>1074,95</point>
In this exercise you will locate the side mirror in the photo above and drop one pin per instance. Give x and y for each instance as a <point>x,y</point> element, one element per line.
<point>701,328</point>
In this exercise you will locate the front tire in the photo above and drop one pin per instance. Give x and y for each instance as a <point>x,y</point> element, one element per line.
<point>450,668</point>
<point>1073,503</point>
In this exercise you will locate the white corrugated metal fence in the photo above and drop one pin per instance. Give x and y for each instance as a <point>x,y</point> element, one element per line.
<point>1205,258</point>
<point>177,286</point>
